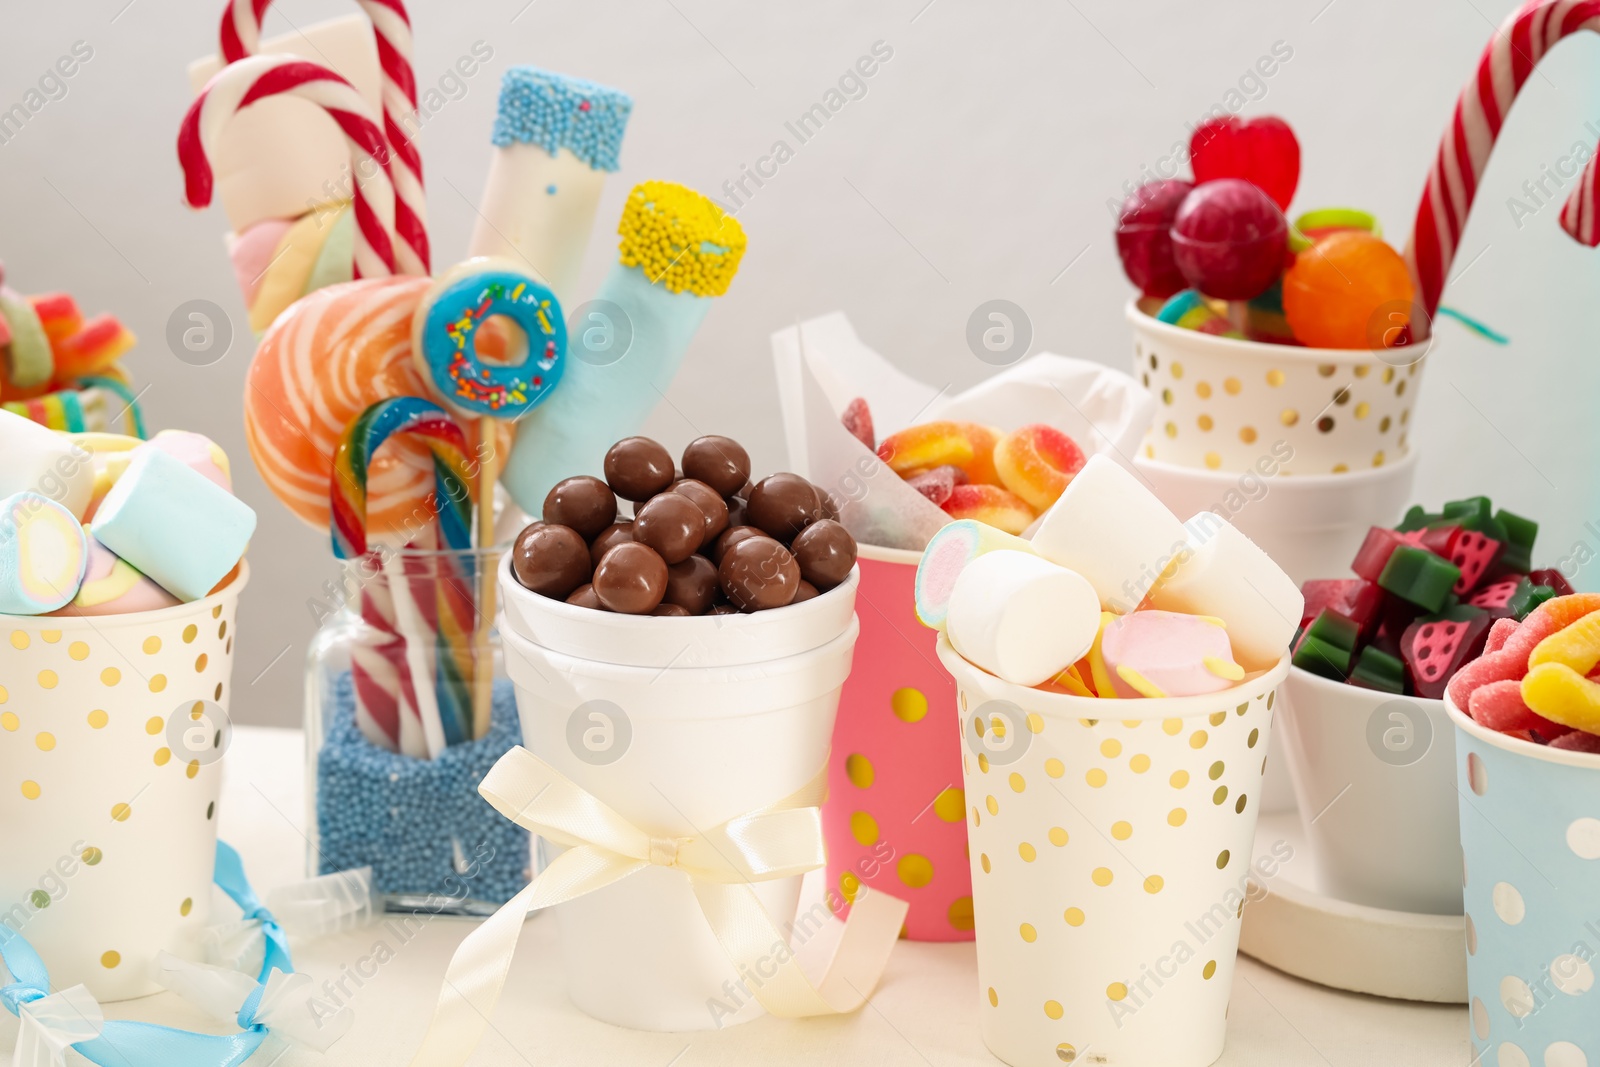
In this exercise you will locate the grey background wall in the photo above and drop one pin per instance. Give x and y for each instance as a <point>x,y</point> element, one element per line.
<point>977,165</point>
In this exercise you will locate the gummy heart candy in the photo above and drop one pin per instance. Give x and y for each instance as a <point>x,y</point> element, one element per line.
<point>1144,239</point>
<point>1261,150</point>
<point>857,419</point>
<point>1349,290</point>
<point>1229,239</point>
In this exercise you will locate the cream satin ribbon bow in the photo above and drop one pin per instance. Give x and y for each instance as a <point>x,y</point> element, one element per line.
<point>779,841</point>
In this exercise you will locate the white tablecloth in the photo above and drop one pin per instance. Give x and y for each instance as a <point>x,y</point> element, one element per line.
<point>925,1013</point>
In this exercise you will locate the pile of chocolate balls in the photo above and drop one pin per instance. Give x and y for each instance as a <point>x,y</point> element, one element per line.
<point>701,540</point>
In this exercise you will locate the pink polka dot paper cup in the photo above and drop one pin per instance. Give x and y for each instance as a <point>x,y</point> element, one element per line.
<point>1530,828</point>
<point>1110,849</point>
<point>112,731</point>
<point>895,817</point>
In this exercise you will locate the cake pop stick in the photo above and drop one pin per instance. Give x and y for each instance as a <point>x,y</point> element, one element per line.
<point>555,140</point>
<point>678,250</point>
<point>241,84</point>
<point>1521,42</point>
<point>391,28</point>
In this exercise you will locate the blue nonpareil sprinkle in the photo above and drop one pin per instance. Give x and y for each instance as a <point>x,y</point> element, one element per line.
<point>554,111</point>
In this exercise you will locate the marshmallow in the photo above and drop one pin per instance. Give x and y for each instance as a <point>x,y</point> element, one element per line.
<point>1111,529</point>
<point>1224,574</point>
<point>40,460</point>
<point>172,524</point>
<point>1021,617</point>
<point>947,555</point>
<point>43,550</point>
<point>1162,654</point>
<point>113,586</point>
<point>109,454</point>
<point>196,451</point>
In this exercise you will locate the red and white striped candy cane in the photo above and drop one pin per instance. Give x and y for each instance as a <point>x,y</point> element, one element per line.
<point>238,85</point>
<point>391,27</point>
<point>1518,46</point>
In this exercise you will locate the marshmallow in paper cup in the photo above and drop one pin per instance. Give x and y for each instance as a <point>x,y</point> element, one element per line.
<point>1110,528</point>
<point>948,554</point>
<point>41,460</point>
<point>822,365</point>
<point>1226,575</point>
<point>1110,859</point>
<point>1021,617</point>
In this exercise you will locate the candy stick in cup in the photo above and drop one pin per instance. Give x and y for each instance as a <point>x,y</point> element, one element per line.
<point>1520,43</point>
<point>556,138</point>
<point>446,333</point>
<point>678,250</point>
<point>241,84</point>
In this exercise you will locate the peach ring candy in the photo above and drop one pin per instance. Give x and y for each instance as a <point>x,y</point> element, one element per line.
<point>1036,462</point>
<point>980,468</point>
<point>931,444</point>
<point>1000,508</point>
<point>1167,654</point>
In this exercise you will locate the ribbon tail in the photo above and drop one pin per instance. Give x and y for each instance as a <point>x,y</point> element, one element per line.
<point>755,945</point>
<point>217,991</point>
<point>291,1009</point>
<point>53,1024</point>
<point>327,904</point>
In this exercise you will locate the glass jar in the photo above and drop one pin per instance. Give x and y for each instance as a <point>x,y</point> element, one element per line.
<point>393,687</point>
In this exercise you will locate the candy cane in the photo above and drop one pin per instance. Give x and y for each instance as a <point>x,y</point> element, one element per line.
<point>391,27</point>
<point>1518,46</point>
<point>238,85</point>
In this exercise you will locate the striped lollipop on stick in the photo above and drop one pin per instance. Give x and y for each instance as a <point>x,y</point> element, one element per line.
<point>238,85</point>
<point>1521,42</point>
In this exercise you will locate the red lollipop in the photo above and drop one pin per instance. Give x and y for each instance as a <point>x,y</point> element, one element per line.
<point>1262,151</point>
<point>1144,239</point>
<point>1230,240</point>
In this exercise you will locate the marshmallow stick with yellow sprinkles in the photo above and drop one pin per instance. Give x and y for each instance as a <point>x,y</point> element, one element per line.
<point>678,250</point>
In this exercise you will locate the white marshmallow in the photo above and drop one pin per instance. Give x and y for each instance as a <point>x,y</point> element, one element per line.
<point>1228,576</point>
<point>40,460</point>
<point>1021,617</point>
<point>1110,528</point>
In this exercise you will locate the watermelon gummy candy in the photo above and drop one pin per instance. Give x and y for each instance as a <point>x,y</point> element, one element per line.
<point>1554,579</point>
<point>1377,669</point>
<point>1416,518</point>
<point>1318,657</point>
<point>1354,598</point>
<point>1520,535</point>
<point>1435,647</point>
<point>1419,576</point>
<point>1375,551</point>
<point>1332,628</point>
<point>1511,597</point>
<point>1473,553</point>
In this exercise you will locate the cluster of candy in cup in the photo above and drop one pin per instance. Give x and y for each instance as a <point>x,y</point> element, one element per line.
<point>1113,597</point>
<point>702,538</point>
<point>1217,254</point>
<point>973,471</point>
<point>100,524</point>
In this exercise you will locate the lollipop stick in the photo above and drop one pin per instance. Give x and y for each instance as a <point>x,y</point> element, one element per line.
<point>483,655</point>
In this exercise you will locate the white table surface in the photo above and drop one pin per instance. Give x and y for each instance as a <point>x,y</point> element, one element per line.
<point>924,1014</point>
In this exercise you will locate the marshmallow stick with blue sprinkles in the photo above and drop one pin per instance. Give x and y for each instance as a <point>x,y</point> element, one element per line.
<point>678,251</point>
<point>556,138</point>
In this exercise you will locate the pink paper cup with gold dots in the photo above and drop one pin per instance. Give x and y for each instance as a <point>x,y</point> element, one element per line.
<point>1110,845</point>
<point>895,817</point>
<point>112,731</point>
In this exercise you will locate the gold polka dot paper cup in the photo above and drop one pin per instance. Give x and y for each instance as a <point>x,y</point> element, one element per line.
<point>1110,845</point>
<point>1222,404</point>
<point>112,729</point>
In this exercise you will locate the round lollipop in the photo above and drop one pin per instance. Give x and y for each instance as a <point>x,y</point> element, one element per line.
<point>1229,239</point>
<point>1349,290</point>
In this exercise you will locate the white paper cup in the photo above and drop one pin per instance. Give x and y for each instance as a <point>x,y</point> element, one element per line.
<point>677,750</point>
<point>1220,400</point>
<point>1376,780</point>
<point>1311,525</point>
<point>108,787</point>
<point>1110,859</point>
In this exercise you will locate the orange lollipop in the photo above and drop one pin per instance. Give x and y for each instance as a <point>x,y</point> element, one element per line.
<point>1349,290</point>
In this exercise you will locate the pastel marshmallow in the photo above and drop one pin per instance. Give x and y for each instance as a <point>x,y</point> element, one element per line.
<point>109,454</point>
<point>948,553</point>
<point>1110,528</point>
<point>113,586</point>
<point>1164,654</point>
<point>43,551</point>
<point>36,459</point>
<point>1225,574</point>
<point>174,525</point>
<point>197,451</point>
<point>1021,617</point>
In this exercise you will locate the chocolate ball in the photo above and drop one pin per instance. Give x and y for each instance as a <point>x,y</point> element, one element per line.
<point>692,584</point>
<point>782,504</point>
<point>584,597</point>
<point>671,524</point>
<point>807,591</point>
<point>616,534</point>
<point>826,552</point>
<point>830,510</point>
<point>720,462</point>
<point>638,468</point>
<point>723,609</point>
<point>671,610</point>
<point>759,573</point>
<point>709,501</point>
<point>730,537</point>
<point>583,503</point>
<point>550,560</point>
<point>738,514</point>
<point>631,579</point>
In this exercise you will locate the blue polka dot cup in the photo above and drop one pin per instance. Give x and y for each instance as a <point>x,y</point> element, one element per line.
<point>1530,830</point>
